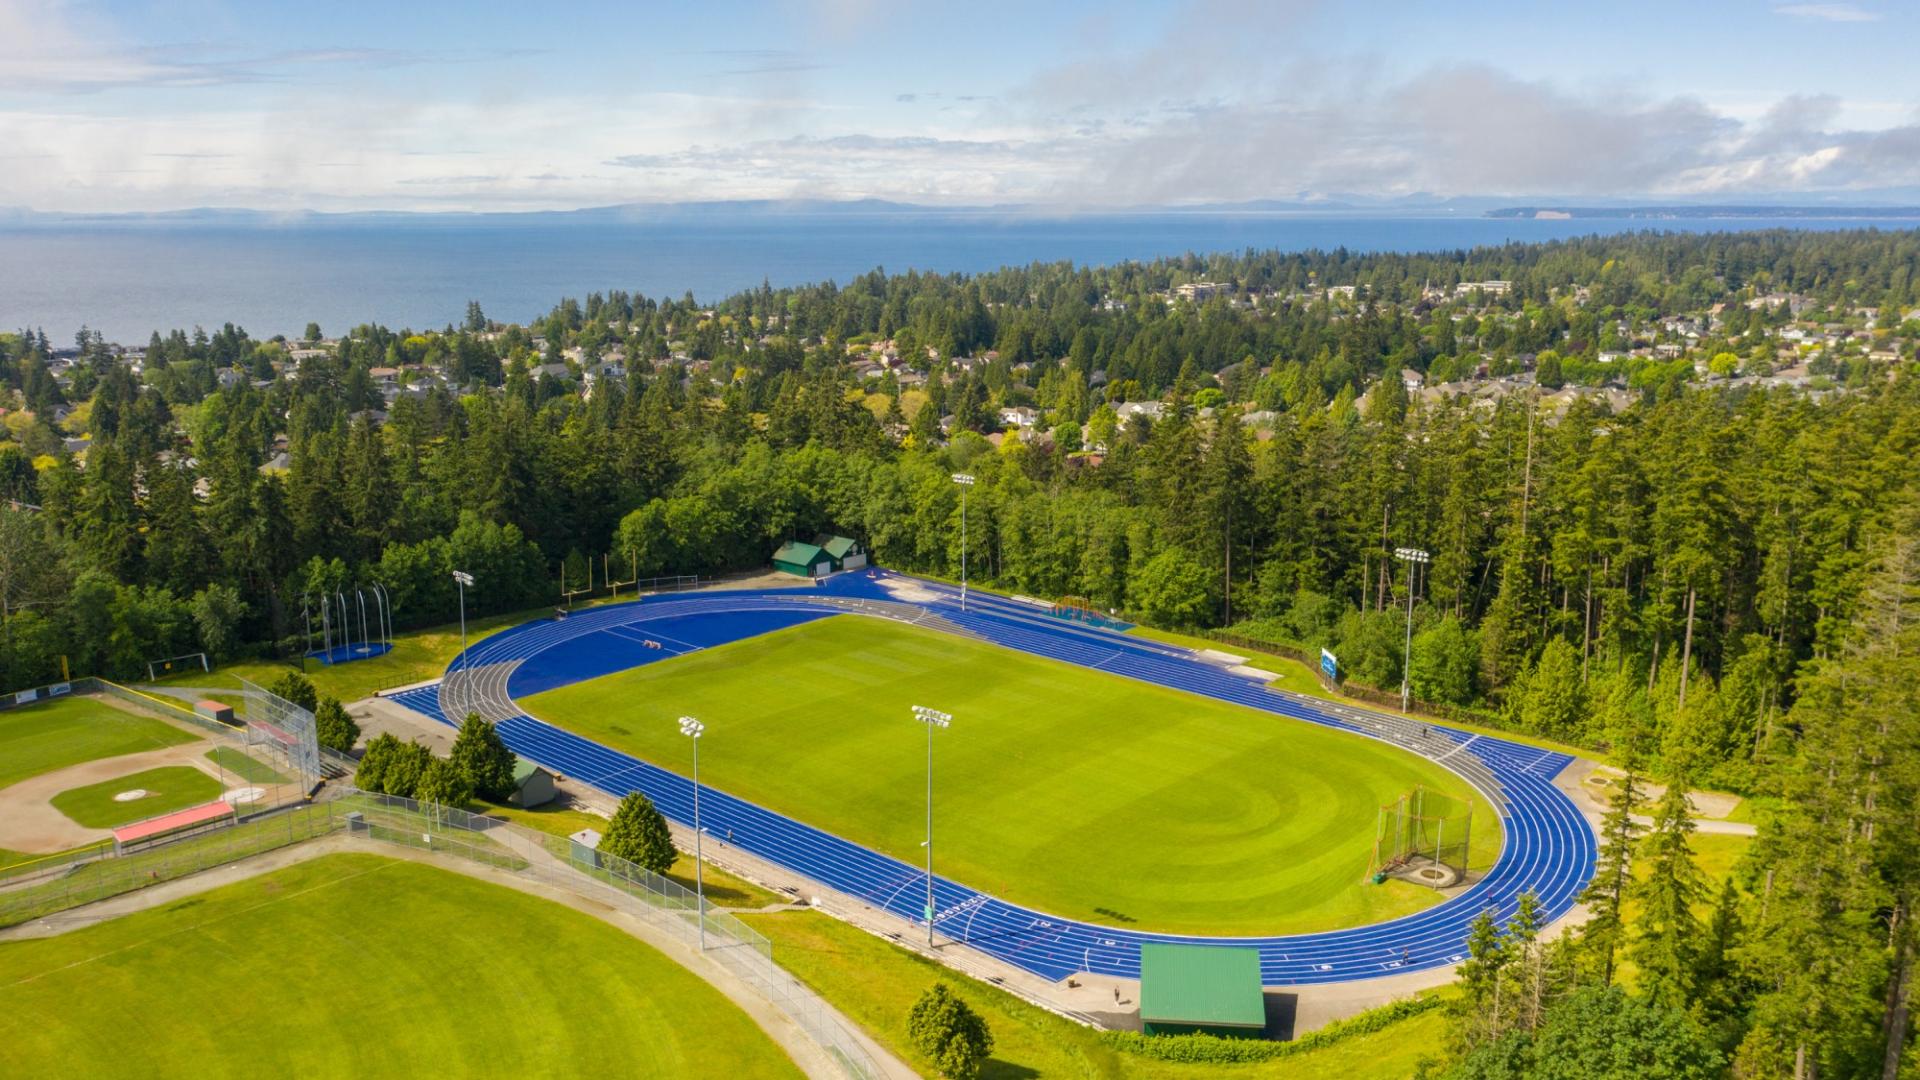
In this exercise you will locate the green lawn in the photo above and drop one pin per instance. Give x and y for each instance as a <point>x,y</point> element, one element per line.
<point>1080,793</point>
<point>37,739</point>
<point>171,787</point>
<point>876,983</point>
<point>722,888</point>
<point>244,767</point>
<point>356,965</point>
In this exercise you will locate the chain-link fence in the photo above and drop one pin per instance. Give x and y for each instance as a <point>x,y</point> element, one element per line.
<point>282,730</point>
<point>100,873</point>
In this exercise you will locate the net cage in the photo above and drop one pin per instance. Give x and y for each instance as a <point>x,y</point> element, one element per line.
<point>282,732</point>
<point>1078,608</point>
<point>1423,836</point>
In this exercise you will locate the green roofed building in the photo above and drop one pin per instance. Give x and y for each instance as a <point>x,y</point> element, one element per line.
<point>846,552</point>
<point>1204,988</point>
<point>803,559</point>
<point>532,785</point>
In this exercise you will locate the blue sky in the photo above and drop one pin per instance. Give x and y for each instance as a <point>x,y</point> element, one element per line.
<point>427,105</point>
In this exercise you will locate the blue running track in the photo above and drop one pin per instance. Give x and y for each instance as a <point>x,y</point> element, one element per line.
<point>1549,847</point>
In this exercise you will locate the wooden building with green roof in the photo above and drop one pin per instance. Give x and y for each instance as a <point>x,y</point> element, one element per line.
<point>1206,988</point>
<point>802,559</point>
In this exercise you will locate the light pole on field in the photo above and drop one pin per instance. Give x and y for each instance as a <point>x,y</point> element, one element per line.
<point>463,579</point>
<point>933,718</point>
<point>965,480</point>
<point>693,729</point>
<point>1410,556</point>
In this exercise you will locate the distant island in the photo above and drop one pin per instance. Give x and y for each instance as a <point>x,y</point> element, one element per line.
<point>1796,213</point>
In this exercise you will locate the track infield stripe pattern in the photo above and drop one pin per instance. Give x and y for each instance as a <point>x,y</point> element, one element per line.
<point>1549,847</point>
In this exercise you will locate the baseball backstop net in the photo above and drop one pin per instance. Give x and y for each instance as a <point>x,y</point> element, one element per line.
<point>282,731</point>
<point>1423,836</point>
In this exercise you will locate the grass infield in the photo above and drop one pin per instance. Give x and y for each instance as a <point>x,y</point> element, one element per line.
<point>38,739</point>
<point>170,787</point>
<point>355,965</point>
<point>1082,794</point>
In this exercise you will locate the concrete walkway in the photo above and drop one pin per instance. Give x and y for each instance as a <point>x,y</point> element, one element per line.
<point>805,1052</point>
<point>1589,784</point>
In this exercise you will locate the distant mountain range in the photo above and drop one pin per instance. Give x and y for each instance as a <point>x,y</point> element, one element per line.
<point>1425,205</point>
<point>1692,212</point>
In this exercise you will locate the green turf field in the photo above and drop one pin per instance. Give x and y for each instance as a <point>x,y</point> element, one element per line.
<point>355,965</point>
<point>172,787</point>
<point>36,739</point>
<point>1082,794</point>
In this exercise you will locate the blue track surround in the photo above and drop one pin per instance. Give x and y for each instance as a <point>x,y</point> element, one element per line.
<point>341,654</point>
<point>1549,847</point>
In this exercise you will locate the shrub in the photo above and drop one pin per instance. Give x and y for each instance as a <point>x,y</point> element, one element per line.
<point>484,758</point>
<point>445,783</point>
<point>298,689</point>
<point>1219,1050</point>
<point>638,834</point>
<point>949,1033</point>
<point>335,729</point>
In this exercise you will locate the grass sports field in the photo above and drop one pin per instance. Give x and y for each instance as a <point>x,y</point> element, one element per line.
<point>41,738</point>
<point>355,965</point>
<point>170,787</point>
<point>1082,794</point>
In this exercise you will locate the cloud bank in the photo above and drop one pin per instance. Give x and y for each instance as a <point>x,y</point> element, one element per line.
<point>1228,101</point>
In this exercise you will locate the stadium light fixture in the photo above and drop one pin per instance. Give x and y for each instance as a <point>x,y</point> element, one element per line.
<point>463,579</point>
<point>1410,556</point>
<point>693,729</point>
<point>932,718</point>
<point>965,480</point>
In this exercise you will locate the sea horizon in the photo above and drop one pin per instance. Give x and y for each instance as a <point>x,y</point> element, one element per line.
<point>129,280</point>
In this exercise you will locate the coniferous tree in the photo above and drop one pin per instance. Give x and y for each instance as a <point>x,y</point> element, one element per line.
<point>1667,934</point>
<point>638,833</point>
<point>479,753</point>
<point>335,729</point>
<point>1604,932</point>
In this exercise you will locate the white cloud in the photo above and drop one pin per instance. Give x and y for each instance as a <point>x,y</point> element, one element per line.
<point>1194,115</point>
<point>1842,13</point>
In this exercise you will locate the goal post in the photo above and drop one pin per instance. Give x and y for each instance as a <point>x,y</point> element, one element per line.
<point>1424,836</point>
<point>193,661</point>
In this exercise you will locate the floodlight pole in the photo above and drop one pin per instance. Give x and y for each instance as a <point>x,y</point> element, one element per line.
<point>463,579</point>
<point>932,718</point>
<point>692,729</point>
<point>1410,556</point>
<point>965,480</point>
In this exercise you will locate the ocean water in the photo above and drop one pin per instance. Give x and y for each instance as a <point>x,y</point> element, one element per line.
<point>127,281</point>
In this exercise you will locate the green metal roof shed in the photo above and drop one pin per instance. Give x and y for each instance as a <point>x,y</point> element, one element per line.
<point>532,785</point>
<point>846,551</point>
<point>806,560</point>
<point>1209,988</point>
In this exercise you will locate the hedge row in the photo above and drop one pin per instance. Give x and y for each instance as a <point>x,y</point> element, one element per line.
<point>1215,1049</point>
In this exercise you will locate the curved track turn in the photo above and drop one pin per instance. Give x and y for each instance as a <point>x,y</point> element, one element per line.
<point>1548,849</point>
